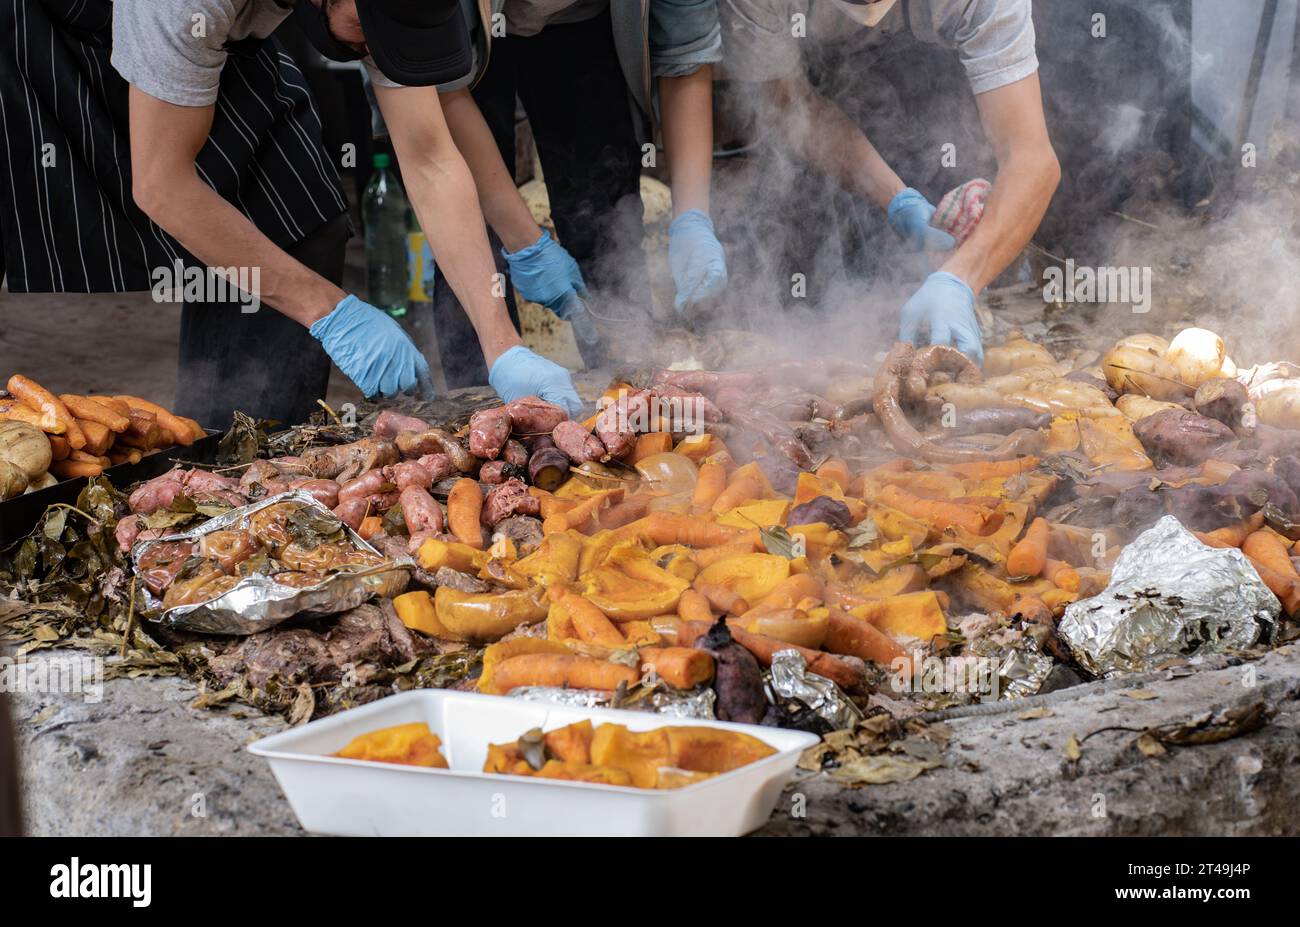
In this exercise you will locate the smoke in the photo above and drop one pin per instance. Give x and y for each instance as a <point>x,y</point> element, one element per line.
<point>1144,119</point>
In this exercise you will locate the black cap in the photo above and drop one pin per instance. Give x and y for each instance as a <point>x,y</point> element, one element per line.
<point>418,43</point>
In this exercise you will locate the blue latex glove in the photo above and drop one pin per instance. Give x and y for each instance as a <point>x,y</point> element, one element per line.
<point>909,217</point>
<point>373,350</point>
<point>547,274</point>
<point>519,372</point>
<point>697,260</point>
<point>947,305</point>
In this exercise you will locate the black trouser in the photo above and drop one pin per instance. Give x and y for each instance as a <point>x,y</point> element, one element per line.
<point>572,88</point>
<point>262,363</point>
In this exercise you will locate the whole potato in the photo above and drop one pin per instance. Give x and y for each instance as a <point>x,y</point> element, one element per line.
<point>1015,355</point>
<point>1137,407</point>
<point>1145,341</point>
<point>1197,354</point>
<point>12,480</point>
<point>1131,369</point>
<point>1279,406</point>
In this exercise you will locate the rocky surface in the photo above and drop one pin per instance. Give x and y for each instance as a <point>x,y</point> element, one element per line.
<point>141,761</point>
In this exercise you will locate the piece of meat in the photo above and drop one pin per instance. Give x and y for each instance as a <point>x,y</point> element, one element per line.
<point>258,473</point>
<point>410,473</point>
<point>389,424</point>
<point>461,582</point>
<point>326,492</point>
<point>160,564</point>
<point>228,547</point>
<point>205,481</point>
<point>345,462</point>
<point>708,382</point>
<point>687,410</point>
<point>618,423</point>
<point>507,499</point>
<point>126,531</point>
<point>352,511</point>
<point>373,482</point>
<point>524,530</point>
<point>422,515</point>
<point>997,420</point>
<point>489,429</point>
<point>493,472</point>
<point>532,415</point>
<point>577,443</point>
<point>157,493</point>
<point>413,444</point>
<point>515,453</point>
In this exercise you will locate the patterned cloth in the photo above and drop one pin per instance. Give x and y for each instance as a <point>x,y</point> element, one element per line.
<point>961,209</point>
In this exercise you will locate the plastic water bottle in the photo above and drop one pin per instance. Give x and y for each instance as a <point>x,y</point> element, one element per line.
<point>384,209</point>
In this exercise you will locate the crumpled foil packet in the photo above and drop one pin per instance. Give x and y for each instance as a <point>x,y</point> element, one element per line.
<point>789,678</point>
<point>259,603</point>
<point>1169,596</point>
<point>1022,667</point>
<point>670,703</point>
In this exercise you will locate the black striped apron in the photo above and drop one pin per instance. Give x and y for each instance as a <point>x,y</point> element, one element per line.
<point>67,220</point>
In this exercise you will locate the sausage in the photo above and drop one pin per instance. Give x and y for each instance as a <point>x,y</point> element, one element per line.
<point>489,430</point>
<point>344,462</point>
<point>414,444</point>
<point>998,420</point>
<point>578,444</point>
<point>326,492</point>
<point>422,515</point>
<point>352,511</point>
<point>532,415</point>
<point>617,424</point>
<point>390,424</point>
<point>157,494</point>
<point>368,484</point>
<point>507,499</point>
<point>515,453</point>
<point>492,472</point>
<point>887,403</point>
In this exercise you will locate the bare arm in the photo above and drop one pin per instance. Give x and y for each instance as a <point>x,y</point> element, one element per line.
<point>503,207</point>
<point>165,139</point>
<point>441,189</point>
<point>686,110</point>
<point>818,132</point>
<point>1028,173</point>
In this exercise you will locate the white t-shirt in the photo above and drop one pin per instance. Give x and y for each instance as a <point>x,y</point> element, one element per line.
<point>174,51</point>
<point>529,17</point>
<point>764,39</point>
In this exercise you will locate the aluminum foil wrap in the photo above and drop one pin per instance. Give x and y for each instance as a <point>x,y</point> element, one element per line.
<point>1169,596</point>
<point>789,678</point>
<point>258,602</point>
<point>671,703</point>
<point>1022,667</point>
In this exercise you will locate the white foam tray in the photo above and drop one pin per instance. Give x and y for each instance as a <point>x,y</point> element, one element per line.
<point>331,795</point>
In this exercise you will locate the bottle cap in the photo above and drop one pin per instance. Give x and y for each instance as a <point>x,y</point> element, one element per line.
<point>382,159</point>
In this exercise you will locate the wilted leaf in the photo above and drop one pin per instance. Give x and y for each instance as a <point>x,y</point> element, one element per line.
<point>1041,711</point>
<point>864,533</point>
<point>778,541</point>
<point>1150,746</point>
<point>1073,752</point>
<point>881,769</point>
<point>1141,695</point>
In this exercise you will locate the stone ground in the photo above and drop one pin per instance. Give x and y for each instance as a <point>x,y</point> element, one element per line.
<point>142,762</point>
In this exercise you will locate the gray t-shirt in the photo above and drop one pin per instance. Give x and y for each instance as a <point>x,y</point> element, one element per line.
<point>529,17</point>
<point>762,40</point>
<point>174,50</point>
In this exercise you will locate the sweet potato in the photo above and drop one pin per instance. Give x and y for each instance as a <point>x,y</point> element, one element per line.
<point>680,667</point>
<point>557,669</point>
<point>181,432</point>
<point>859,638</point>
<point>51,408</point>
<point>464,509</point>
<point>92,411</point>
<point>1029,556</point>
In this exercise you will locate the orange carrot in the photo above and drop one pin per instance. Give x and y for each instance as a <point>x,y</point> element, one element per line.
<point>742,490</point>
<point>59,447</point>
<point>181,432</point>
<point>712,481</point>
<point>87,457</point>
<point>941,515</point>
<point>112,402</point>
<point>582,514</point>
<point>70,469</point>
<point>39,399</point>
<point>693,531</point>
<point>722,599</point>
<point>991,470</point>
<point>195,428</point>
<point>859,638</point>
<point>629,510</point>
<point>591,624</point>
<point>464,511</point>
<point>370,526</point>
<point>91,411</point>
<point>99,438</point>
<point>846,672</point>
<point>14,411</point>
<point>1232,535</point>
<point>559,669</point>
<point>837,471</point>
<point>1029,556</point>
<point>693,606</point>
<point>1062,574</point>
<point>680,667</point>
